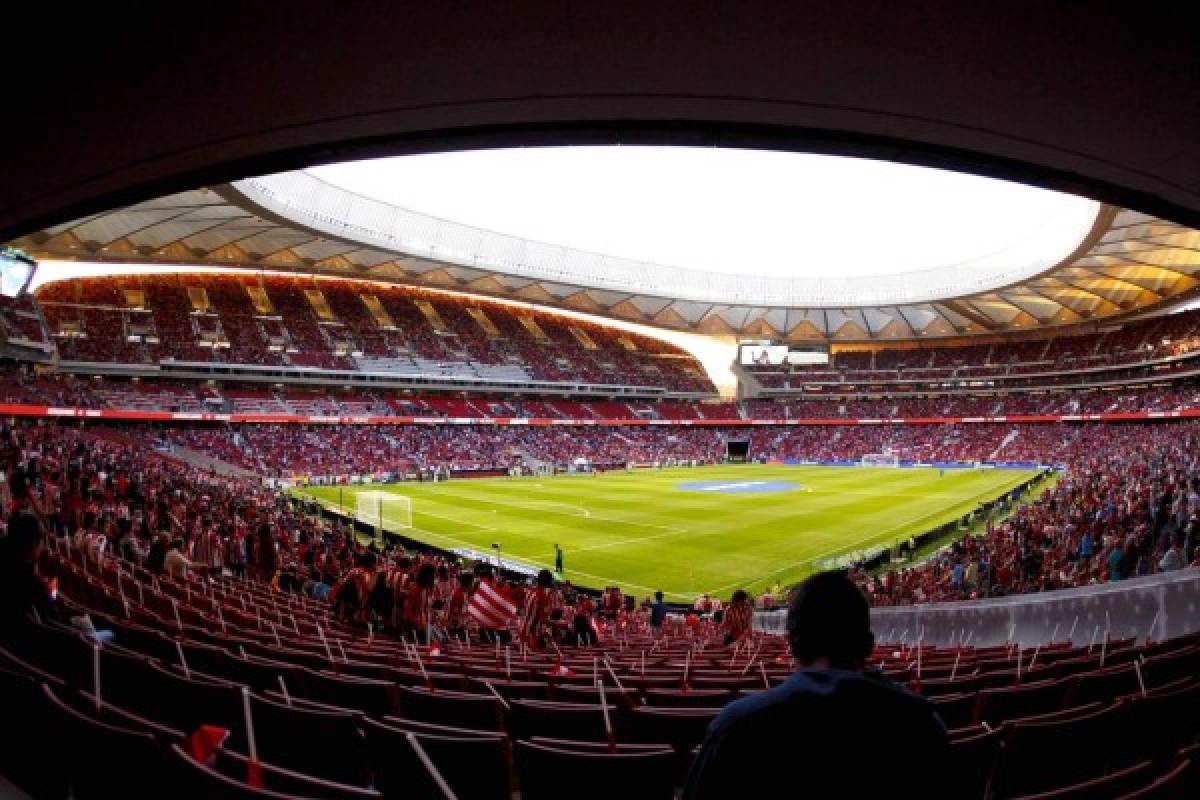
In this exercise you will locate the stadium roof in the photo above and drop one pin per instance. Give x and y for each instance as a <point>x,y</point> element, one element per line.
<point>1098,103</point>
<point>1078,103</point>
<point>1125,263</point>
<point>712,225</point>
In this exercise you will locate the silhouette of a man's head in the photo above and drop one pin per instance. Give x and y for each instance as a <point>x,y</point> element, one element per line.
<point>829,621</point>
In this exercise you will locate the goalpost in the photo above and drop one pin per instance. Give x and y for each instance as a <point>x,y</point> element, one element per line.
<point>887,459</point>
<point>383,510</point>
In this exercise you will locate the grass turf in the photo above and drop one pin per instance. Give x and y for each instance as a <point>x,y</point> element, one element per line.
<point>642,531</point>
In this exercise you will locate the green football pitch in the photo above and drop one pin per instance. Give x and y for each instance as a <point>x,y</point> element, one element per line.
<point>688,531</point>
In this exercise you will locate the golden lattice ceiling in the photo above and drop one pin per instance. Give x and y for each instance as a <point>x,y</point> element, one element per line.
<point>1132,263</point>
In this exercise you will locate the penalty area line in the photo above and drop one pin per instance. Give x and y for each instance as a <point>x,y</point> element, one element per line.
<point>455,520</point>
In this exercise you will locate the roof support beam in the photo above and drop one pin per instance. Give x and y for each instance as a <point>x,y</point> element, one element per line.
<point>964,308</point>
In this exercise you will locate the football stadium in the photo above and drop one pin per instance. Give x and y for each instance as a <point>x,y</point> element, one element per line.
<point>580,400</point>
<point>687,532</point>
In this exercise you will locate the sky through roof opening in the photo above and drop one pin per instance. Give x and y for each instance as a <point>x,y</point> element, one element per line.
<point>736,212</point>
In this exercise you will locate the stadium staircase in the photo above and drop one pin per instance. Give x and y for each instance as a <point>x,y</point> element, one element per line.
<point>203,461</point>
<point>535,465</point>
<point>1008,439</point>
<point>748,383</point>
<point>42,324</point>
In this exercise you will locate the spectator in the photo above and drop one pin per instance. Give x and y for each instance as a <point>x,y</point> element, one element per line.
<point>1172,559</point>
<point>738,617</point>
<point>455,620</point>
<point>831,716</point>
<point>658,613</point>
<point>156,559</point>
<point>417,602</point>
<point>584,629</point>
<point>613,602</point>
<point>266,558</point>
<point>1190,539</point>
<point>177,565</point>
<point>1115,560</point>
<point>23,593</point>
<point>236,554</point>
<point>350,596</point>
<point>127,543</point>
<point>314,587</point>
<point>535,614</point>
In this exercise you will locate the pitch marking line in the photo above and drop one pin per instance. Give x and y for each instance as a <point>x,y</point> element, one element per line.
<point>455,520</point>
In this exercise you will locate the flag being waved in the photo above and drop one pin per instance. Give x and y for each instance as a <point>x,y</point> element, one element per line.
<point>489,607</point>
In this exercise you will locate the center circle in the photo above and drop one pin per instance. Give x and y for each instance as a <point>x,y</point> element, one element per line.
<point>739,487</point>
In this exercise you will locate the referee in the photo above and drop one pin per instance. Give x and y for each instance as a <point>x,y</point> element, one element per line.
<point>558,556</point>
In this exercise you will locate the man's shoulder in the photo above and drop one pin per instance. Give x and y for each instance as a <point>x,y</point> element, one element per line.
<point>811,691</point>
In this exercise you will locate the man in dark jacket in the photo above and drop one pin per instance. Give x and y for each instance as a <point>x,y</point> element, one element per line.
<point>24,596</point>
<point>832,723</point>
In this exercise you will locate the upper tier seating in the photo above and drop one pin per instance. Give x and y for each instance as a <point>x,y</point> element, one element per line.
<point>341,325</point>
<point>1135,342</point>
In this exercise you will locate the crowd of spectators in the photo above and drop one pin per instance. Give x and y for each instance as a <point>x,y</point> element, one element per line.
<point>286,450</point>
<point>1128,505</point>
<point>1082,357</point>
<point>329,324</point>
<point>1175,397</point>
<point>104,496</point>
<point>290,450</point>
<point>24,385</point>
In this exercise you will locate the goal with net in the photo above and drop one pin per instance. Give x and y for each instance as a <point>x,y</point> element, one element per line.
<point>880,460</point>
<point>383,510</point>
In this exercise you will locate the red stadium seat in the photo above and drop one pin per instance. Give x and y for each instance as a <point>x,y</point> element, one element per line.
<point>996,705</point>
<point>532,690</point>
<point>372,697</point>
<point>546,772</point>
<point>1164,721</point>
<point>683,729</point>
<point>98,753</point>
<point>1040,755</point>
<point>459,709</point>
<point>1103,788</point>
<point>972,760</point>
<point>1179,781</point>
<point>1104,685</point>
<point>578,721</point>
<point>25,760</point>
<point>690,698</point>
<point>591,694</point>
<point>956,710</point>
<point>474,766</point>
<point>288,781</point>
<point>323,744</point>
<point>192,780</point>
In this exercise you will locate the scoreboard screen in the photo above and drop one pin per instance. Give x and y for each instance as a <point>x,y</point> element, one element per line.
<point>762,355</point>
<point>768,354</point>
<point>808,356</point>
